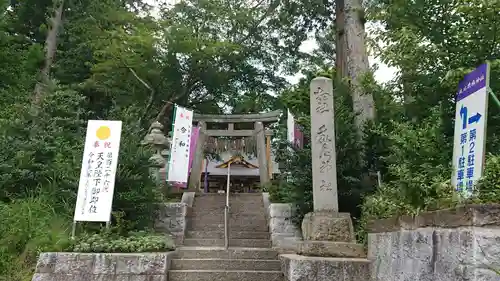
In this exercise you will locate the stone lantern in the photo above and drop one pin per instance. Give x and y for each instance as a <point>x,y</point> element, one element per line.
<point>161,150</point>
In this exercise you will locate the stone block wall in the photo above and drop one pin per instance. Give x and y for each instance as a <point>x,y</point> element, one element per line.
<point>102,267</point>
<point>447,245</point>
<point>284,234</point>
<point>303,268</point>
<point>172,217</point>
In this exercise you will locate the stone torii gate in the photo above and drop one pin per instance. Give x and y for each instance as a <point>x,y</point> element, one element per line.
<point>259,131</point>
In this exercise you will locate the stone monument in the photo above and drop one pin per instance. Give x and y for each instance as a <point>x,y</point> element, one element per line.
<point>329,250</point>
<point>326,232</point>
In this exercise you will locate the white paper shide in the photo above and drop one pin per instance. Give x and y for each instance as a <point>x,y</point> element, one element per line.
<point>178,168</point>
<point>97,177</point>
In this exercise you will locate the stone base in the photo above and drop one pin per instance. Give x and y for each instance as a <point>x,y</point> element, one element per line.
<point>98,267</point>
<point>287,245</point>
<point>331,249</point>
<point>328,226</point>
<point>301,268</point>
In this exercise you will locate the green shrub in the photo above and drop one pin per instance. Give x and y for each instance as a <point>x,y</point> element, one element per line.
<point>488,188</point>
<point>276,195</point>
<point>295,185</point>
<point>134,242</point>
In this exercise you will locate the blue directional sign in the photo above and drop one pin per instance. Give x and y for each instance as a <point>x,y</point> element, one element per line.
<point>470,130</point>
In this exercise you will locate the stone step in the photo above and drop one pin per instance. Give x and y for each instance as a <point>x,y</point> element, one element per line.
<point>232,216</point>
<point>249,220</point>
<point>213,207</point>
<point>232,198</point>
<point>225,264</point>
<point>232,234</point>
<point>209,212</point>
<point>231,221</point>
<point>250,243</point>
<point>222,197</point>
<point>253,194</point>
<point>232,204</point>
<point>219,211</point>
<point>224,275</point>
<point>200,206</point>
<point>222,200</point>
<point>220,215</point>
<point>240,226</point>
<point>237,253</point>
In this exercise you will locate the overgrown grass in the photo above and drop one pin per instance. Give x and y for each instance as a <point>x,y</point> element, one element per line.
<point>29,226</point>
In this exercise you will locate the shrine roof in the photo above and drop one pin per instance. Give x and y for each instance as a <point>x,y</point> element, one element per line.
<point>266,117</point>
<point>237,161</point>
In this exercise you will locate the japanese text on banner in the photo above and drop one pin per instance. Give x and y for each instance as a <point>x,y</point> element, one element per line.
<point>100,159</point>
<point>178,168</point>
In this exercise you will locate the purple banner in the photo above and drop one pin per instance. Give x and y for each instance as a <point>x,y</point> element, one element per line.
<point>298,136</point>
<point>472,82</point>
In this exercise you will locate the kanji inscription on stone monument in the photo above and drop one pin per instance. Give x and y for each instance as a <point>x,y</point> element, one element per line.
<point>324,169</point>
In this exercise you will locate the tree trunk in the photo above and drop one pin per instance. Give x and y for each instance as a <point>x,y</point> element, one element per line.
<point>55,23</point>
<point>408,98</point>
<point>357,63</point>
<point>340,43</point>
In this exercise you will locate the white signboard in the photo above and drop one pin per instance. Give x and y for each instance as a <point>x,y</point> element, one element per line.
<point>470,130</point>
<point>178,168</point>
<point>97,177</point>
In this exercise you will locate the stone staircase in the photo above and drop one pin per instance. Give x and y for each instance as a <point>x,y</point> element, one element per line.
<point>202,256</point>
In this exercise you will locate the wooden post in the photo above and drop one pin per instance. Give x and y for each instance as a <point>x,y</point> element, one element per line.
<point>194,178</point>
<point>268,157</point>
<point>261,152</point>
<point>201,181</point>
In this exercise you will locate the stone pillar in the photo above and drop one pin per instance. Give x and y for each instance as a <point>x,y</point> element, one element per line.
<point>324,170</point>
<point>197,168</point>
<point>158,161</point>
<point>326,232</point>
<point>260,134</point>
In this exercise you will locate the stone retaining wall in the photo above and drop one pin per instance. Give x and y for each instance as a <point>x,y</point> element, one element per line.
<point>448,245</point>
<point>172,217</point>
<point>302,268</point>
<point>284,234</point>
<point>102,267</point>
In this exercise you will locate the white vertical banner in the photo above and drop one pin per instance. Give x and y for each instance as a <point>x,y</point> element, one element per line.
<point>97,176</point>
<point>290,125</point>
<point>178,168</point>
